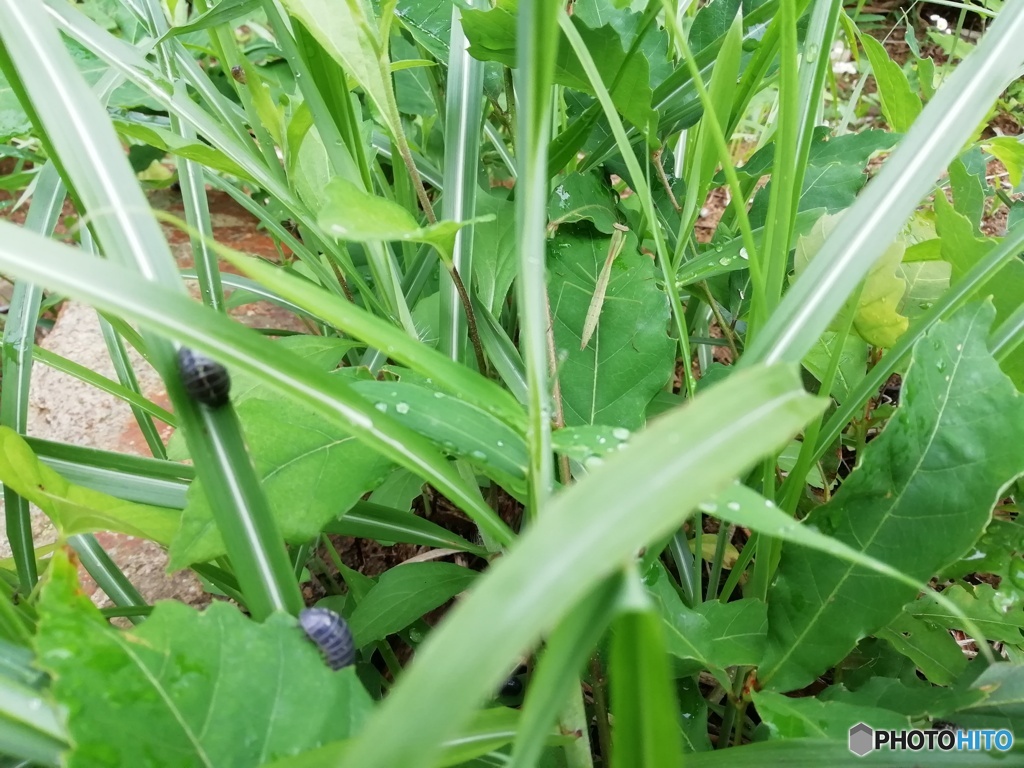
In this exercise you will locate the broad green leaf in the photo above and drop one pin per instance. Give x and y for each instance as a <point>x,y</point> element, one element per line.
<point>582,197</point>
<point>188,688</point>
<point>1000,621</point>
<point>876,319</point>
<point>348,213</point>
<point>584,536</point>
<point>73,508</point>
<point>494,250</point>
<point>932,649</point>
<point>312,472</point>
<point>917,699</point>
<point>931,463</point>
<point>1003,703</point>
<point>926,282</point>
<point>403,594</point>
<point>796,718</point>
<point>1010,152</point>
<point>962,249</point>
<point>642,700</point>
<point>718,635</point>
<point>630,356</point>
<point>900,104</point>
<point>968,187</point>
<point>853,362</point>
<point>492,37</point>
<point>350,38</point>
<point>835,171</point>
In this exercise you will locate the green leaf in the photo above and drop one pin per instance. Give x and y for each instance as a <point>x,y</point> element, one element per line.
<point>73,508</point>
<point>350,38</point>
<point>1010,153</point>
<point>853,362</point>
<point>630,356</point>
<point>796,718</point>
<point>876,319</point>
<point>311,470</point>
<point>1003,703</point>
<point>931,463</point>
<point>643,702</point>
<point>999,620</point>
<point>494,250</point>
<point>963,249</point>
<point>932,649</point>
<point>492,37</point>
<point>582,197</point>
<point>403,594</point>
<point>900,104</point>
<point>210,688</point>
<point>918,700</point>
<point>718,635</point>
<point>926,282</point>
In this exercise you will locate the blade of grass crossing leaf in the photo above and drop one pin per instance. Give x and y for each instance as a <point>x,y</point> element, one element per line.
<point>106,574</point>
<point>586,534</point>
<point>111,288</point>
<point>29,726</point>
<point>647,731</point>
<point>347,317</point>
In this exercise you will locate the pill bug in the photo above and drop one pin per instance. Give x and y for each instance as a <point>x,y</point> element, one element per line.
<point>205,380</point>
<point>512,687</point>
<point>331,634</point>
<point>238,73</point>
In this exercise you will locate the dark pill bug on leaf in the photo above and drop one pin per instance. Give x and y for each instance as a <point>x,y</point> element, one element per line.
<point>205,380</point>
<point>331,634</point>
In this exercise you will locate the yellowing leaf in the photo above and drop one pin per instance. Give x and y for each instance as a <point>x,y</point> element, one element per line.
<point>877,319</point>
<point>74,508</point>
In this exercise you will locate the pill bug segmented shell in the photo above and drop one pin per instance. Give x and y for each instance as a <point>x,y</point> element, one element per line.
<point>205,380</point>
<point>331,634</point>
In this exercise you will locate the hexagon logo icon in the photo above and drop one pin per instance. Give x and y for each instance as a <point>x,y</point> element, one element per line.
<point>862,739</point>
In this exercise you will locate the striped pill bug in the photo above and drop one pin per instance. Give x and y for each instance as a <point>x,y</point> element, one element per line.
<point>331,634</point>
<point>205,380</point>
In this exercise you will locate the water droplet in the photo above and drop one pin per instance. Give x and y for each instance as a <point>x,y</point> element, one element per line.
<point>501,443</point>
<point>708,506</point>
<point>743,254</point>
<point>593,462</point>
<point>769,503</point>
<point>601,441</point>
<point>620,433</point>
<point>479,455</point>
<point>718,248</point>
<point>725,261</point>
<point>382,407</point>
<point>623,446</point>
<point>812,52</point>
<point>959,347</point>
<point>940,366</point>
<point>439,395</point>
<point>1016,572</point>
<point>402,408</point>
<point>734,506</point>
